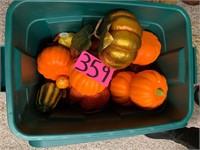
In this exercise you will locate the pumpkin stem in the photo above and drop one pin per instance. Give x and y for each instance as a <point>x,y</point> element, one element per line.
<point>96,28</point>
<point>159,92</point>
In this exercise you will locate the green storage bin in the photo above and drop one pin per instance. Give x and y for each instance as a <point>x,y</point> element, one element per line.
<point>30,24</point>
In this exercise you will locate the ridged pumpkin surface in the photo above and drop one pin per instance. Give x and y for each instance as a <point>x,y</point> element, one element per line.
<point>120,88</point>
<point>148,89</point>
<point>149,50</point>
<point>125,32</point>
<point>53,62</point>
<point>84,84</point>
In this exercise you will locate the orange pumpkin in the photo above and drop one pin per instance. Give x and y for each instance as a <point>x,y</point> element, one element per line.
<point>87,92</point>
<point>149,50</point>
<point>62,82</point>
<point>148,89</point>
<point>84,84</point>
<point>120,88</point>
<point>53,62</point>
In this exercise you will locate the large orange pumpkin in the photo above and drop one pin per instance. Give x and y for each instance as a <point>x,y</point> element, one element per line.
<point>120,88</point>
<point>149,50</point>
<point>148,89</point>
<point>53,62</point>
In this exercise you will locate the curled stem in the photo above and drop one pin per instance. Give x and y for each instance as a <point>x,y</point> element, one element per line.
<point>96,28</point>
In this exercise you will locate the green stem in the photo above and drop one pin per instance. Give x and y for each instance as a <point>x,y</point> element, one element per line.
<point>159,92</point>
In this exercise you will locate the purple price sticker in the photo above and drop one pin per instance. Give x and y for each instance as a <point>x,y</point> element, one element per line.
<point>94,68</point>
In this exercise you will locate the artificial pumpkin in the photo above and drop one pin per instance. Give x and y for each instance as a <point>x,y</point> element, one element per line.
<point>120,88</point>
<point>148,89</point>
<point>53,62</point>
<point>84,84</point>
<point>149,50</point>
<point>120,38</point>
<point>87,92</point>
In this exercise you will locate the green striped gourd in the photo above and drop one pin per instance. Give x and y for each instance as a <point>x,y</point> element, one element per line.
<point>48,96</point>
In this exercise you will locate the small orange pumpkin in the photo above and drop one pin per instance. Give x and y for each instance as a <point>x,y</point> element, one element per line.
<point>53,62</point>
<point>87,92</point>
<point>149,50</point>
<point>62,82</point>
<point>84,84</point>
<point>120,88</point>
<point>148,89</point>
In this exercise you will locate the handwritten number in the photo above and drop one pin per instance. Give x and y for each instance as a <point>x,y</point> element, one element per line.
<point>90,63</point>
<point>95,68</point>
<point>107,71</point>
<point>85,63</point>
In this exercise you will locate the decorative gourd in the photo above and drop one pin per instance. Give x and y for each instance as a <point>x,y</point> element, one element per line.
<point>62,82</point>
<point>120,88</point>
<point>48,96</point>
<point>149,50</point>
<point>53,62</point>
<point>148,89</point>
<point>120,39</point>
<point>65,39</point>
